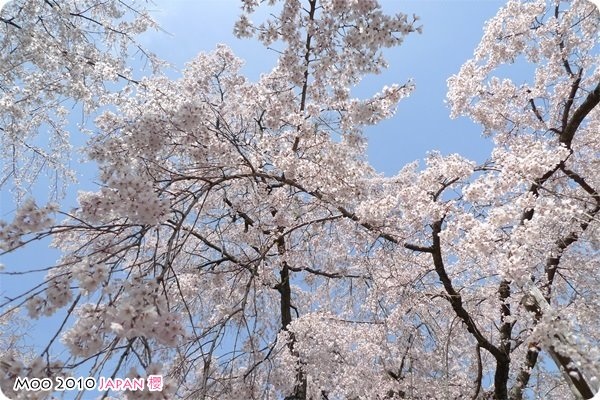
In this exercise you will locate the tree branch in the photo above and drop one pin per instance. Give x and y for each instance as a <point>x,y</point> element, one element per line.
<point>591,101</point>
<point>454,297</point>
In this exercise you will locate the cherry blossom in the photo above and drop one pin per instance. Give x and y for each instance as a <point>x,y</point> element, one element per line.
<point>55,55</point>
<point>240,244</point>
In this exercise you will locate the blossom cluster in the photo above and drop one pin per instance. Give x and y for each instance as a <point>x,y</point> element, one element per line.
<point>11,367</point>
<point>141,312</point>
<point>29,218</point>
<point>128,196</point>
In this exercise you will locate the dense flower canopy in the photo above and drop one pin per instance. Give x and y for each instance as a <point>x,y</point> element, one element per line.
<point>241,245</point>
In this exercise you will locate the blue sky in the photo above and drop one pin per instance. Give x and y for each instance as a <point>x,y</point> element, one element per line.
<point>451,31</point>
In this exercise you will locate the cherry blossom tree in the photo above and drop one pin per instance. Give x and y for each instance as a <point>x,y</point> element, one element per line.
<point>59,58</point>
<point>241,245</point>
<point>549,120</point>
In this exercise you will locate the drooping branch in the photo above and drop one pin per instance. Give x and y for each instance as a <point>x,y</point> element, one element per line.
<point>479,377</point>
